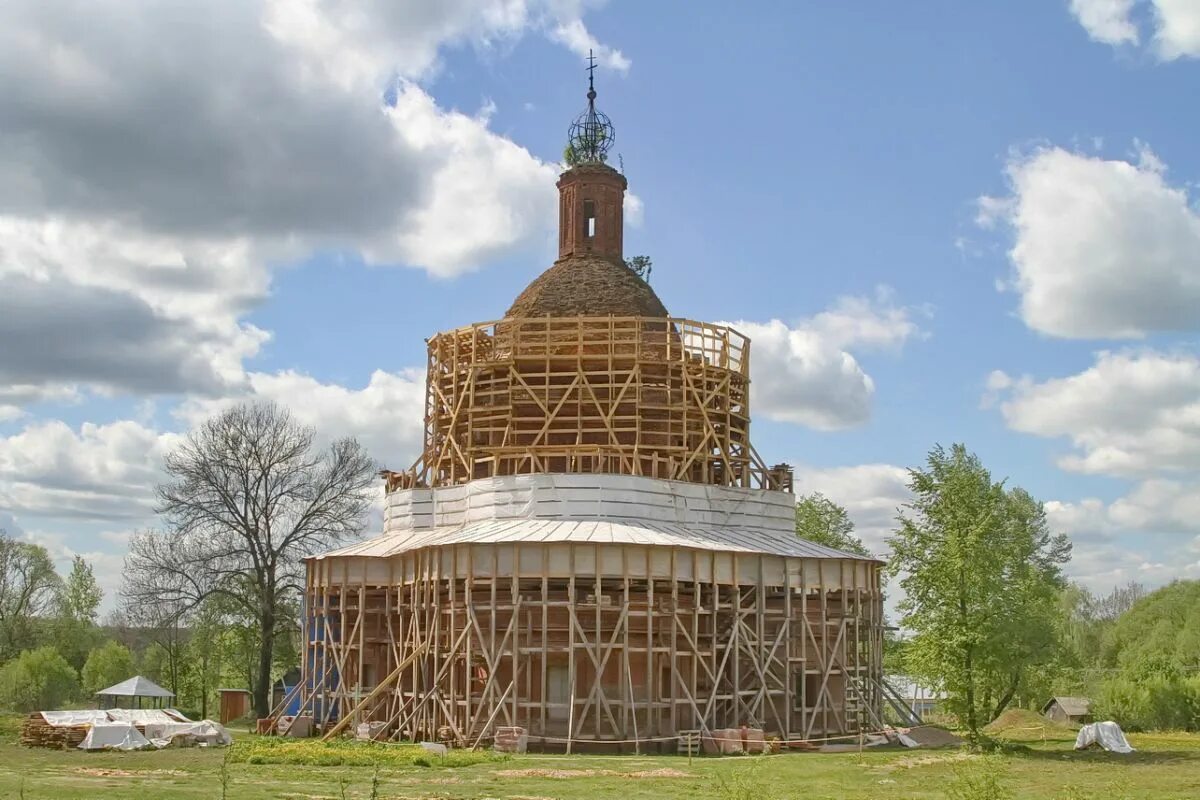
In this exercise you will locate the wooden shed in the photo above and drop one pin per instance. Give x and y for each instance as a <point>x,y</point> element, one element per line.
<point>235,704</point>
<point>1076,710</point>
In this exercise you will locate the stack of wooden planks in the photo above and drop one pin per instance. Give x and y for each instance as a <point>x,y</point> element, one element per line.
<point>37,732</point>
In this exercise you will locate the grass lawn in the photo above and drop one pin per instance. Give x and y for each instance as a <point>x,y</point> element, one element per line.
<point>1165,766</point>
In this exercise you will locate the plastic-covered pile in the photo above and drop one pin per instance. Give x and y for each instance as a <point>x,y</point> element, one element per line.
<point>1103,734</point>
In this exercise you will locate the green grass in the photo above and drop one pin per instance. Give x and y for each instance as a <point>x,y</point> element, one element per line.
<point>1166,767</point>
<point>345,753</point>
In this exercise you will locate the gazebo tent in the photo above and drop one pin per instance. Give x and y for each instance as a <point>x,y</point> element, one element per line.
<point>137,689</point>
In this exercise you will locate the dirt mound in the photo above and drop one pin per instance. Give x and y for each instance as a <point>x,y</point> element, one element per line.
<point>933,736</point>
<point>1023,724</point>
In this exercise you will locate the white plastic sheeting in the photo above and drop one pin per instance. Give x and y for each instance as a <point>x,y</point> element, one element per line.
<point>114,736</point>
<point>1106,734</point>
<point>204,732</point>
<point>619,498</point>
<point>124,736</point>
<point>597,509</point>
<point>145,716</point>
<point>67,719</point>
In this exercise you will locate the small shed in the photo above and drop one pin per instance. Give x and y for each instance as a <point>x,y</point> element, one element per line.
<point>137,692</point>
<point>235,704</point>
<point>1076,710</point>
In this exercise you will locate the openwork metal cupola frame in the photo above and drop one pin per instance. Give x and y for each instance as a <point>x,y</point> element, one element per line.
<point>589,547</point>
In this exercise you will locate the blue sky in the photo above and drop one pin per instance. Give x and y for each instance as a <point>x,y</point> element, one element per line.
<point>939,222</point>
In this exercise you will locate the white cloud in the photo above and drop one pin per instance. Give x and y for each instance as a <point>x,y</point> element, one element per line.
<point>1175,24</point>
<point>805,373</point>
<point>386,415</point>
<point>574,34</point>
<point>1107,21</point>
<point>1177,31</point>
<point>1130,413</point>
<point>98,472</point>
<point>159,160</point>
<point>1103,248</point>
<point>1156,505</point>
<point>871,493</point>
<point>108,472</point>
<point>1101,566</point>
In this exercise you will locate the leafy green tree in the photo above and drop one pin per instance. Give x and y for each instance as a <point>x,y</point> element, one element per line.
<point>982,579</point>
<point>72,629</point>
<point>820,520</point>
<point>81,594</point>
<point>1159,635</point>
<point>37,680</point>
<point>108,664</point>
<point>29,590</point>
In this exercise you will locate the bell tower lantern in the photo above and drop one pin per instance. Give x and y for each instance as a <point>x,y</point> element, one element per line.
<point>591,194</point>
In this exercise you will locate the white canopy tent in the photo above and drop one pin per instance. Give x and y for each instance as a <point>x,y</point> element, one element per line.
<point>136,692</point>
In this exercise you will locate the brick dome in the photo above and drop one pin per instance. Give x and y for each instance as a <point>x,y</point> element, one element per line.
<point>587,285</point>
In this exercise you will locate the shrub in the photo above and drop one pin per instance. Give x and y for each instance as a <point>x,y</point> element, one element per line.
<point>978,779</point>
<point>37,680</point>
<point>108,664</point>
<point>1156,704</point>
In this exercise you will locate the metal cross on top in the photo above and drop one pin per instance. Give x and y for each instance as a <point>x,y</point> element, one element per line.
<point>591,69</point>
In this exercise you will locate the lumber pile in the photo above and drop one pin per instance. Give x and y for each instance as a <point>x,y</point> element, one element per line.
<point>37,732</point>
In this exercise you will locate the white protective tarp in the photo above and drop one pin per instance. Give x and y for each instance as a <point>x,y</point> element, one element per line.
<point>144,716</point>
<point>68,719</point>
<point>1106,734</point>
<point>203,733</point>
<point>114,736</point>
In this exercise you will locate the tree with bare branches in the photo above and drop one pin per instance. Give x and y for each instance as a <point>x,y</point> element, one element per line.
<point>248,496</point>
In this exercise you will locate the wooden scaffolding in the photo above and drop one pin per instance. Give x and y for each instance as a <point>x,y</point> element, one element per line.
<point>653,396</point>
<point>593,645</point>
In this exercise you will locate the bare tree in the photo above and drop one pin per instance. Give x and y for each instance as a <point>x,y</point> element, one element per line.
<point>29,588</point>
<point>248,497</point>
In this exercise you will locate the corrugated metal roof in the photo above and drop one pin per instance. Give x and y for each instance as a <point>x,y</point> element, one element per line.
<point>598,531</point>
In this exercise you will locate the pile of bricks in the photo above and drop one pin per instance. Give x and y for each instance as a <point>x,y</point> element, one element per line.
<point>511,740</point>
<point>723,741</point>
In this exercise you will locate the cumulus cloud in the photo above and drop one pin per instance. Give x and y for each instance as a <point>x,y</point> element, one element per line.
<point>95,472</point>
<point>1103,248</point>
<point>1157,505</point>
<point>1130,413</point>
<point>805,373</point>
<point>107,473</point>
<point>1175,24</point>
<point>386,415</point>
<point>871,494</point>
<point>159,160</point>
<point>576,37</point>
<point>1107,21</point>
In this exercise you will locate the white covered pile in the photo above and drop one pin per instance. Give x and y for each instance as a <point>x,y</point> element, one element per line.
<point>138,729</point>
<point>1103,734</point>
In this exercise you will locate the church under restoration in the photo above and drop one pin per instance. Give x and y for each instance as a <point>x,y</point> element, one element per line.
<point>589,546</point>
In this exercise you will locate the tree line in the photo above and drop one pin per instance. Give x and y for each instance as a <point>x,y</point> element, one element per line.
<point>214,596</point>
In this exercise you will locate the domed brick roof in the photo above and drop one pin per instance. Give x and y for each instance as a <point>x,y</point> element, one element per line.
<point>587,285</point>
